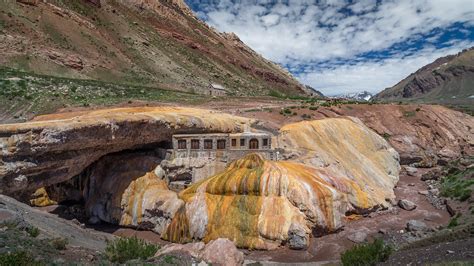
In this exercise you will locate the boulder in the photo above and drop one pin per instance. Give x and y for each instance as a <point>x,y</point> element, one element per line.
<point>298,238</point>
<point>222,252</point>
<point>406,205</point>
<point>411,171</point>
<point>416,226</point>
<point>358,237</point>
<point>192,249</point>
<point>423,192</point>
<point>217,252</point>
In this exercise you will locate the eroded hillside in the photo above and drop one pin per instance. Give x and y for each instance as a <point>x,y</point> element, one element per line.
<point>160,44</point>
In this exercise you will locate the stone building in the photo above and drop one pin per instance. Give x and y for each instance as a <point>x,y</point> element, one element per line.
<point>197,156</point>
<point>224,146</point>
<point>216,90</point>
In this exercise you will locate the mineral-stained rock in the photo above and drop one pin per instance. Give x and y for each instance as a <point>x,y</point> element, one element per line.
<point>147,203</point>
<point>41,198</point>
<point>406,205</point>
<point>259,204</point>
<point>55,148</point>
<point>346,147</point>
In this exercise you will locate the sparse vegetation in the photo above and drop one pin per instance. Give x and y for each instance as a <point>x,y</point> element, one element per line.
<point>457,186</point>
<point>33,231</point>
<point>386,136</point>
<point>367,254</point>
<point>409,113</point>
<point>19,258</point>
<point>454,221</point>
<point>59,243</point>
<point>125,249</point>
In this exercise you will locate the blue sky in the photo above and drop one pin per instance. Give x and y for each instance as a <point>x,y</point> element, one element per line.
<point>339,46</point>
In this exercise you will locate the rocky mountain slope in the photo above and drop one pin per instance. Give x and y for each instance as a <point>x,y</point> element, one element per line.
<point>154,43</point>
<point>448,80</point>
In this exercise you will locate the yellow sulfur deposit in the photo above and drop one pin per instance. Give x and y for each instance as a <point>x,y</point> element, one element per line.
<point>346,147</point>
<point>41,198</point>
<point>337,166</point>
<point>255,202</point>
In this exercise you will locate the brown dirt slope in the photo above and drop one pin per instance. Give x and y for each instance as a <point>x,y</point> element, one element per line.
<point>154,43</point>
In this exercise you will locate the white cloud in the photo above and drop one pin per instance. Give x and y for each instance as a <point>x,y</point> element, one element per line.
<point>304,32</point>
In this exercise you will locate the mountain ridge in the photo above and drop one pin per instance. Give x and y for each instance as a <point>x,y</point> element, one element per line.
<point>158,42</point>
<point>448,80</point>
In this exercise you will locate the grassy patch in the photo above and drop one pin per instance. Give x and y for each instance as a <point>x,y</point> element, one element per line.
<point>33,231</point>
<point>19,258</point>
<point>59,243</point>
<point>125,249</point>
<point>367,254</point>
<point>456,186</point>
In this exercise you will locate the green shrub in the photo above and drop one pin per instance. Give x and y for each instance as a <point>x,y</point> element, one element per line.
<point>33,231</point>
<point>313,108</point>
<point>386,136</point>
<point>125,249</point>
<point>367,254</point>
<point>455,186</point>
<point>454,221</point>
<point>20,258</point>
<point>59,243</point>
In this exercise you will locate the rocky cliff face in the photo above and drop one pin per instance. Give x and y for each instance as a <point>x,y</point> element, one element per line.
<point>447,80</point>
<point>57,147</point>
<point>157,43</point>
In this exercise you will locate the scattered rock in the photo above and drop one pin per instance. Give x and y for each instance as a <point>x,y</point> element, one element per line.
<point>383,231</point>
<point>411,184</point>
<point>358,237</point>
<point>406,205</point>
<point>423,192</point>
<point>431,175</point>
<point>411,171</point>
<point>449,251</point>
<point>416,226</point>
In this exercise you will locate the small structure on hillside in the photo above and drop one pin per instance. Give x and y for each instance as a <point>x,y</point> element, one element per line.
<point>216,90</point>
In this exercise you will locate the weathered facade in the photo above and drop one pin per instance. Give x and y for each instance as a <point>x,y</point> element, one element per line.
<point>226,147</point>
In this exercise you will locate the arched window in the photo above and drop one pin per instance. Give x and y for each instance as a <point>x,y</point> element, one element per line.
<point>253,144</point>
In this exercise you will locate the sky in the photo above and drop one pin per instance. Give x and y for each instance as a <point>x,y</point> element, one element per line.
<point>339,46</point>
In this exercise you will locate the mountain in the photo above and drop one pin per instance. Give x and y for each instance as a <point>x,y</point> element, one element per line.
<point>154,43</point>
<point>314,92</point>
<point>358,96</point>
<point>448,80</point>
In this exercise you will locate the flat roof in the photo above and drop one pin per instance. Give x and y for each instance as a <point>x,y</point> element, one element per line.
<point>222,134</point>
